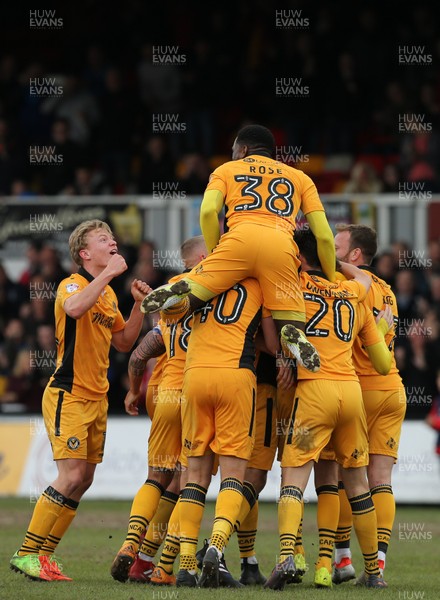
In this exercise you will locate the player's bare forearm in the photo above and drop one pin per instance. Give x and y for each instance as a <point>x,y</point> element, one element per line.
<point>80,303</point>
<point>352,272</point>
<point>124,340</point>
<point>151,346</point>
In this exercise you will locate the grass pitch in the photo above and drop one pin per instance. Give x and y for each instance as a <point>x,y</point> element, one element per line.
<point>96,534</point>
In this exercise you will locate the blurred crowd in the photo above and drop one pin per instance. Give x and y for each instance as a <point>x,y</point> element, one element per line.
<point>149,96</point>
<point>149,93</point>
<point>28,348</point>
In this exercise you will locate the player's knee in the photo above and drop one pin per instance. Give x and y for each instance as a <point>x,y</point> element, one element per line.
<point>257,477</point>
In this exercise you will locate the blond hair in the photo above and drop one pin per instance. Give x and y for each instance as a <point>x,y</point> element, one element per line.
<point>78,237</point>
<point>190,244</point>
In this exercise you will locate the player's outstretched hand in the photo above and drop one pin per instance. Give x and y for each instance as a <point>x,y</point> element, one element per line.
<point>386,314</point>
<point>131,404</point>
<point>139,289</point>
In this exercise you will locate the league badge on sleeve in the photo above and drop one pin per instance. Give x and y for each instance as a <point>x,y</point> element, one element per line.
<point>72,287</point>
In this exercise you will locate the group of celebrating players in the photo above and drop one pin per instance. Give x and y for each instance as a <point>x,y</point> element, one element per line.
<point>262,347</point>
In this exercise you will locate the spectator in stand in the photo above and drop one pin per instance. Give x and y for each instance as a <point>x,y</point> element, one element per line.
<point>51,268</point>
<point>433,417</point>
<point>14,342</point>
<point>33,257</point>
<point>391,179</point>
<point>39,308</point>
<point>20,189</point>
<point>117,109</point>
<point>394,104</point>
<point>363,180</point>
<point>417,370</point>
<point>11,296</point>
<point>95,70</point>
<point>406,296</point>
<point>43,355</point>
<point>385,267</point>
<point>406,257</point>
<point>159,85</point>
<point>200,93</point>
<point>88,182</point>
<point>434,285</point>
<point>194,174</point>
<point>14,364</point>
<point>10,92</point>
<point>420,154</point>
<point>56,178</point>
<point>157,166</point>
<point>11,158</point>
<point>434,254</point>
<point>77,106</point>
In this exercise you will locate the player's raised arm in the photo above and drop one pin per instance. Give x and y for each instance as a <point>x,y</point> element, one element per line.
<point>124,339</point>
<point>325,240</point>
<point>355,274</point>
<point>212,205</point>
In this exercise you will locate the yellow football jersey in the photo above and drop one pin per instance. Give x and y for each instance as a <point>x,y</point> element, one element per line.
<point>83,344</point>
<point>156,375</point>
<point>175,337</point>
<point>223,331</point>
<point>379,295</point>
<point>266,191</point>
<point>335,316</point>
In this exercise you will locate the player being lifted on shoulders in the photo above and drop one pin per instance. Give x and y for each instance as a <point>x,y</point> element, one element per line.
<point>261,198</point>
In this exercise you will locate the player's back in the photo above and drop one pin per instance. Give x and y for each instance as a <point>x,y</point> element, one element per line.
<point>331,322</point>
<point>175,338</point>
<point>223,331</point>
<point>269,192</point>
<point>379,295</point>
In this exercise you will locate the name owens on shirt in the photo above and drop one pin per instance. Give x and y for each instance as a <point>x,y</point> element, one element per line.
<point>328,292</point>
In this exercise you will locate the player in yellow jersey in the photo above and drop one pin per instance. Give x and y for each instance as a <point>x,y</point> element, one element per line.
<point>165,440</point>
<point>261,198</point>
<point>153,384</point>
<point>328,406</point>
<point>75,404</point>
<point>218,418</point>
<point>384,401</point>
<point>261,458</point>
<point>273,379</point>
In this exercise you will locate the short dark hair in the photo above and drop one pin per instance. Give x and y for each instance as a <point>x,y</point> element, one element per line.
<point>362,237</point>
<point>256,137</point>
<point>308,247</point>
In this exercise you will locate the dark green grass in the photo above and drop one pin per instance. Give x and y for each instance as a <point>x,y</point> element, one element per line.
<point>99,529</point>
